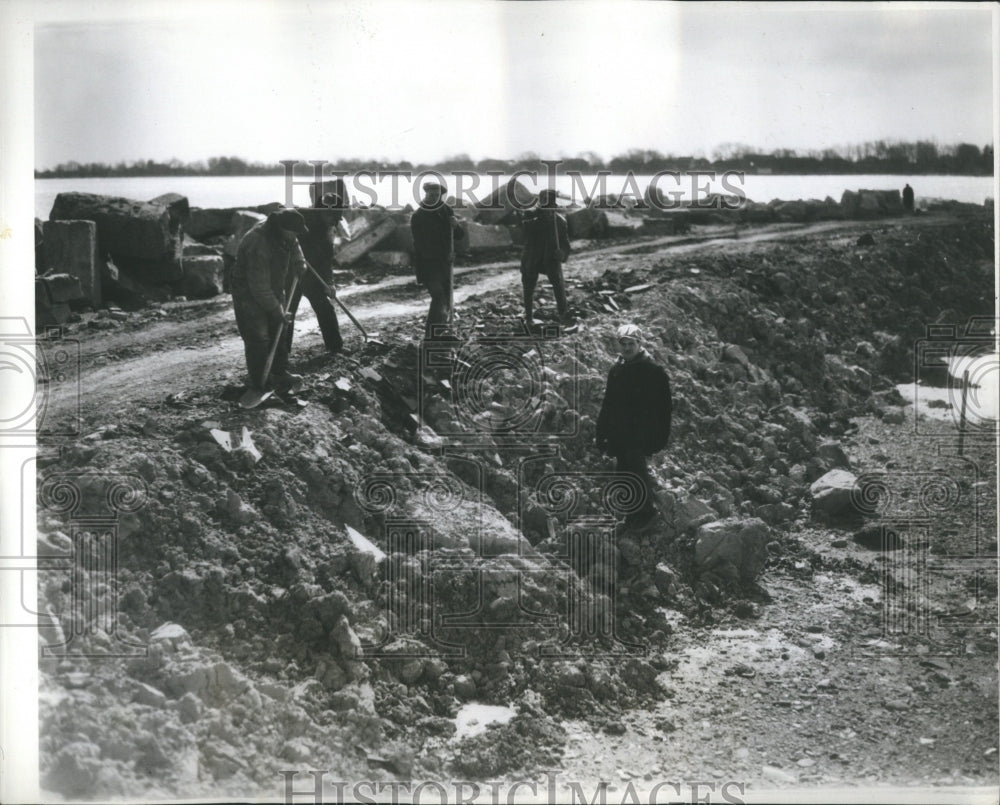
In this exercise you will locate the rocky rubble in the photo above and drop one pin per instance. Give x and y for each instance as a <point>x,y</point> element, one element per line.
<point>401,547</point>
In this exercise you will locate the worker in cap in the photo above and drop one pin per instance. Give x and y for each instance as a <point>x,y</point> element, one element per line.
<point>268,259</point>
<point>325,223</point>
<point>546,247</point>
<point>634,422</point>
<point>435,231</point>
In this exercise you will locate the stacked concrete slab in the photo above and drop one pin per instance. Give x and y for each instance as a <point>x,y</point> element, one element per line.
<point>137,234</point>
<point>70,247</point>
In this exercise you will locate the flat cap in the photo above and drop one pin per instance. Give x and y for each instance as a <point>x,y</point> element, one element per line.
<point>290,220</point>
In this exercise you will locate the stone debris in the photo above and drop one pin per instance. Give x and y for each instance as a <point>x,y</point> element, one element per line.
<point>301,637</point>
<point>733,549</point>
<point>833,497</point>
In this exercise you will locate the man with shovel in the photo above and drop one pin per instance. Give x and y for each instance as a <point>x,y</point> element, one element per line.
<point>269,262</point>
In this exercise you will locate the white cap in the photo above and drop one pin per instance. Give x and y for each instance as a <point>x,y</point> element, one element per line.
<point>629,331</point>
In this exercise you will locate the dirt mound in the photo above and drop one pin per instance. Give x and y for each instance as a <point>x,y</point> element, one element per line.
<point>328,586</point>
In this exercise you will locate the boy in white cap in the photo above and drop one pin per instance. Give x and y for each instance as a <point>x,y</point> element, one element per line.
<point>634,421</point>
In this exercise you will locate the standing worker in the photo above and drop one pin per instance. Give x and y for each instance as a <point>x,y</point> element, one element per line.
<point>435,231</point>
<point>317,246</point>
<point>546,247</point>
<point>268,259</point>
<point>634,421</point>
<point>908,198</point>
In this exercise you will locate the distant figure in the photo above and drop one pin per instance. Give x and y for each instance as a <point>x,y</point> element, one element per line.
<point>546,247</point>
<point>317,245</point>
<point>908,198</point>
<point>634,421</point>
<point>435,231</point>
<point>268,258</point>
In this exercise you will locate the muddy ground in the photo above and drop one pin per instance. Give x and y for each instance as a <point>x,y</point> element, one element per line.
<point>436,529</point>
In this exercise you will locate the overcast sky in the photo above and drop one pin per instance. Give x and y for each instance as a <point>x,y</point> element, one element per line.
<point>421,81</point>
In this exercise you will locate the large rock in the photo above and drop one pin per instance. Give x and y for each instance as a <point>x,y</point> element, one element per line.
<point>619,224</point>
<point>733,549</point>
<point>47,312</point>
<point>594,222</point>
<point>40,266</point>
<point>832,455</point>
<point>164,269</point>
<point>688,512</point>
<point>118,287</point>
<point>792,211</point>
<point>504,205</point>
<point>390,259</point>
<point>125,228</point>
<point>484,237</point>
<point>832,497</point>
<point>588,224</point>
<point>365,556</point>
<point>177,207</point>
<point>62,287</point>
<point>667,222</point>
<point>192,248</point>
<point>71,247</point>
<point>756,213</point>
<point>203,276</point>
<point>241,222</point>
<point>871,203</point>
<point>400,239</point>
<point>209,222</point>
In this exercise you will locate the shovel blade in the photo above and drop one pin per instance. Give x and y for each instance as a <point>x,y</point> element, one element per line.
<point>252,398</point>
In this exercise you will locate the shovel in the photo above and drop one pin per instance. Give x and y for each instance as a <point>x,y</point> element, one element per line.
<point>252,397</point>
<point>333,295</point>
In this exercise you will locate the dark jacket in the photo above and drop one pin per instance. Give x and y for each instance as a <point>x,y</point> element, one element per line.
<point>434,233</point>
<point>635,414</point>
<point>546,241</point>
<point>265,266</point>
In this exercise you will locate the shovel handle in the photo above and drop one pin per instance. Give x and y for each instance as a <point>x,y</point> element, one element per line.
<point>277,336</point>
<point>333,295</point>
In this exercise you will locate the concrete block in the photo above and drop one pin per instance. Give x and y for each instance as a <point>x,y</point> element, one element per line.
<point>71,247</point>
<point>203,276</point>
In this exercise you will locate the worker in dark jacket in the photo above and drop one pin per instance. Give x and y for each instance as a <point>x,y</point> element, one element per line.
<point>634,421</point>
<point>323,223</point>
<point>546,247</point>
<point>434,231</point>
<point>268,258</point>
<point>908,198</point>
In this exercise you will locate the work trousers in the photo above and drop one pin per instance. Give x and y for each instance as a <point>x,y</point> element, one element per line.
<point>258,333</point>
<point>439,315</point>
<point>326,312</point>
<point>635,461</point>
<point>529,279</point>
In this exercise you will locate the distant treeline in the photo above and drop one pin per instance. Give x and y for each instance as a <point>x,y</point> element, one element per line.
<point>880,156</point>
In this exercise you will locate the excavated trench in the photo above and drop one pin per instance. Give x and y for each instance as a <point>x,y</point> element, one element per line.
<point>333,589</point>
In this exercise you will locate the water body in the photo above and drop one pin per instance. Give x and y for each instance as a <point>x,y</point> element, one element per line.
<point>235,191</point>
<point>982,395</point>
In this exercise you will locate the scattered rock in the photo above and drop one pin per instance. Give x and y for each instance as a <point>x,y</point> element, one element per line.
<point>733,549</point>
<point>832,497</point>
